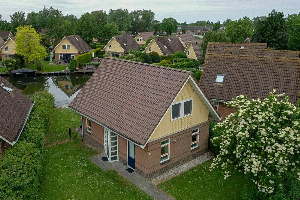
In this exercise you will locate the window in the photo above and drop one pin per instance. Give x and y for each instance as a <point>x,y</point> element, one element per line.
<point>109,47</point>
<point>61,56</point>
<point>195,138</point>
<point>66,46</point>
<point>165,46</point>
<point>88,126</point>
<point>165,150</point>
<point>139,39</point>
<point>182,109</point>
<point>169,39</point>
<point>187,107</point>
<point>150,48</point>
<point>72,56</point>
<point>188,53</point>
<point>220,78</point>
<point>6,48</point>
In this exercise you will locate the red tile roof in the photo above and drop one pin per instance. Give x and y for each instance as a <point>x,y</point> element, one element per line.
<point>15,108</point>
<point>129,97</point>
<point>255,77</point>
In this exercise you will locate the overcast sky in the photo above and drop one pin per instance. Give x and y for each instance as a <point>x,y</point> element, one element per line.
<point>181,10</point>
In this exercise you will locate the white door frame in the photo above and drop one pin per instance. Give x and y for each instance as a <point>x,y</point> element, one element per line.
<point>128,153</point>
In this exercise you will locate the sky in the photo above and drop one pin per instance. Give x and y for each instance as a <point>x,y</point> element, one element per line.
<point>182,10</point>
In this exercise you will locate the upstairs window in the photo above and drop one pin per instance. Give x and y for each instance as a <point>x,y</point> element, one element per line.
<point>165,150</point>
<point>150,48</point>
<point>188,53</point>
<point>195,138</point>
<point>109,47</point>
<point>182,109</point>
<point>6,48</point>
<point>88,126</point>
<point>220,78</point>
<point>66,46</point>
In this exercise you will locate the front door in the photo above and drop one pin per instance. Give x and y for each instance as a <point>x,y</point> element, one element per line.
<point>111,145</point>
<point>131,158</point>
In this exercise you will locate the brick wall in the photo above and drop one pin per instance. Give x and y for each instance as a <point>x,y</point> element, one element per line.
<point>94,139</point>
<point>224,110</point>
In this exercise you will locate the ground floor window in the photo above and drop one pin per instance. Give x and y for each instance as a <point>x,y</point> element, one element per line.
<point>165,150</point>
<point>88,125</point>
<point>61,56</point>
<point>72,56</point>
<point>195,138</point>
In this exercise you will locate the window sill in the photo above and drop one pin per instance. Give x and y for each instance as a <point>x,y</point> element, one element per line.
<point>194,148</point>
<point>165,161</point>
<point>89,131</point>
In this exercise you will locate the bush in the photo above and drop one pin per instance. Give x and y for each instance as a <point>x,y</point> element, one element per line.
<point>10,64</point>
<point>72,65</point>
<point>83,58</point>
<point>38,65</point>
<point>21,165</point>
<point>155,57</point>
<point>145,58</point>
<point>165,63</point>
<point>167,57</point>
<point>178,55</point>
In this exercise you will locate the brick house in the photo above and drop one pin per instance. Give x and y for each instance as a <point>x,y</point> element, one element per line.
<point>70,47</point>
<point>119,45</point>
<point>226,76</point>
<point>8,47</point>
<point>149,117</point>
<point>15,109</point>
<point>142,37</point>
<point>165,45</point>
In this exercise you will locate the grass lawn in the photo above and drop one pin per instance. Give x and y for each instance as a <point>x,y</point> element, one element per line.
<point>62,120</point>
<point>200,183</point>
<point>3,69</point>
<point>49,68</point>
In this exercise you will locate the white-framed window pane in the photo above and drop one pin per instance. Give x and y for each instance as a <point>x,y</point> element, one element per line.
<point>165,142</point>
<point>188,107</point>
<point>150,49</point>
<point>61,56</point>
<point>195,130</point>
<point>6,48</point>
<point>88,125</point>
<point>68,46</point>
<point>176,111</point>
<point>64,46</point>
<point>109,47</point>
<point>220,78</point>
<point>164,151</point>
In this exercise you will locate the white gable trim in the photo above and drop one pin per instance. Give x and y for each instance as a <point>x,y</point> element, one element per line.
<point>200,94</point>
<point>116,41</point>
<point>8,38</point>
<point>68,41</point>
<point>59,43</point>
<point>156,45</point>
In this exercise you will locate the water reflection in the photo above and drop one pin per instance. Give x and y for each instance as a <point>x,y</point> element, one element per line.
<point>63,88</point>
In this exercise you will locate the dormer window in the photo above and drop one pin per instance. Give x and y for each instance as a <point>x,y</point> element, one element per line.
<point>165,46</point>
<point>125,44</point>
<point>169,39</point>
<point>6,48</point>
<point>109,47</point>
<point>76,38</point>
<point>220,78</point>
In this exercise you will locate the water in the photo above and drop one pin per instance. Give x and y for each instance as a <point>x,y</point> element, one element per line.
<point>63,88</point>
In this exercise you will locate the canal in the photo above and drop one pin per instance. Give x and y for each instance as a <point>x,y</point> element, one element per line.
<point>63,88</point>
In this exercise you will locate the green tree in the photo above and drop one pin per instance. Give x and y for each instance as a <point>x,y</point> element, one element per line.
<point>169,25</point>
<point>10,64</point>
<point>28,45</point>
<point>32,19</point>
<point>86,27</point>
<point>216,26</point>
<point>156,27</point>
<point>137,22</point>
<point>178,55</point>
<point>226,23</point>
<point>148,20</point>
<point>213,36</point>
<point>17,19</point>
<point>108,30</point>
<point>155,57</point>
<point>4,25</point>
<point>293,25</point>
<point>238,31</point>
<point>272,31</point>
<point>145,58</point>
<point>260,140</point>
<point>121,18</point>
<point>50,18</point>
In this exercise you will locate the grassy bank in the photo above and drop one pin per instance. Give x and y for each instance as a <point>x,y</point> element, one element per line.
<point>49,68</point>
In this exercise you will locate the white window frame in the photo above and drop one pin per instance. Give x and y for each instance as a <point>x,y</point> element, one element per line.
<point>197,141</point>
<point>219,75</point>
<point>66,46</point>
<point>216,104</point>
<point>72,56</point>
<point>188,53</point>
<point>150,48</point>
<point>5,49</point>
<point>88,128</point>
<point>61,56</point>
<point>181,114</point>
<point>109,47</point>
<point>166,154</point>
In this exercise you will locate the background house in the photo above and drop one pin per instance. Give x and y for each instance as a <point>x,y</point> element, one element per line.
<point>15,109</point>
<point>8,47</point>
<point>142,37</point>
<point>165,45</point>
<point>70,47</point>
<point>149,117</point>
<point>120,44</point>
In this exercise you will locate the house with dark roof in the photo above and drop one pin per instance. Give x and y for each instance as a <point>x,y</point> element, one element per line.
<point>8,47</point>
<point>15,108</point>
<point>193,30</point>
<point>149,117</point>
<point>227,76</point>
<point>70,47</point>
<point>261,52</point>
<point>119,45</point>
<point>142,37</point>
<point>219,47</point>
<point>5,34</point>
<point>165,45</point>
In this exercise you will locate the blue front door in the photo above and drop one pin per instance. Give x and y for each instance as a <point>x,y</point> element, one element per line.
<point>131,159</point>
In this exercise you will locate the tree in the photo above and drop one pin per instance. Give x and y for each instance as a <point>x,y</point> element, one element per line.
<point>28,45</point>
<point>4,25</point>
<point>169,25</point>
<point>137,22</point>
<point>226,23</point>
<point>86,27</point>
<point>121,18</point>
<point>10,64</point>
<point>293,24</point>
<point>17,19</point>
<point>178,54</point>
<point>156,27</point>
<point>213,36</point>
<point>272,31</point>
<point>50,18</point>
<point>155,57</point>
<point>262,140</point>
<point>238,31</point>
<point>148,19</point>
<point>216,26</point>
<point>108,30</point>
<point>31,19</point>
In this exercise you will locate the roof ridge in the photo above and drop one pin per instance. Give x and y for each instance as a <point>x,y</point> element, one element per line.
<point>251,43</point>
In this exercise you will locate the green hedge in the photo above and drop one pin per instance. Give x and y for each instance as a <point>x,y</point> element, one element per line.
<point>21,165</point>
<point>87,57</point>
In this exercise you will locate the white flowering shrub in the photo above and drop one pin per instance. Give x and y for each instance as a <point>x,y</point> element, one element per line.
<point>262,140</point>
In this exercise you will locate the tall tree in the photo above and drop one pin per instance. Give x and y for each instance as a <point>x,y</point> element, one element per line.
<point>156,27</point>
<point>148,20</point>
<point>86,27</point>
<point>137,22</point>
<point>32,19</point>
<point>4,25</point>
<point>169,25</point>
<point>213,36</point>
<point>121,18</point>
<point>272,30</point>
<point>17,19</point>
<point>238,31</point>
<point>293,25</point>
<point>100,17</point>
<point>50,18</point>
<point>108,31</point>
<point>28,45</point>
<point>216,26</point>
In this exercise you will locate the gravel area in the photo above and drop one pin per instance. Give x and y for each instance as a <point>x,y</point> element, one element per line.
<point>182,168</point>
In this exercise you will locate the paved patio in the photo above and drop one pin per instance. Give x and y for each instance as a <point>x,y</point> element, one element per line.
<point>130,175</point>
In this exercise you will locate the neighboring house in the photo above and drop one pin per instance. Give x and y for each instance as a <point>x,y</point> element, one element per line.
<point>15,108</point>
<point>70,47</point>
<point>65,84</point>
<point>193,30</point>
<point>151,118</point>
<point>120,44</point>
<point>219,47</point>
<point>164,45</point>
<point>5,34</point>
<point>8,48</point>
<point>193,50</point>
<point>185,39</point>
<point>261,52</point>
<point>228,76</point>
<point>142,37</point>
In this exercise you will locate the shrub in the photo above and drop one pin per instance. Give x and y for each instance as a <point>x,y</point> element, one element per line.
<point>21,165</point>
<point>72,65</point>
<point>38,65</point>
<point>145,58</point>
<point>167,57</point>
<point>155,57</point>
<point>179,55</point>
<point>83,58</point>
<point>10,64</point>
<point>165,63</point>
